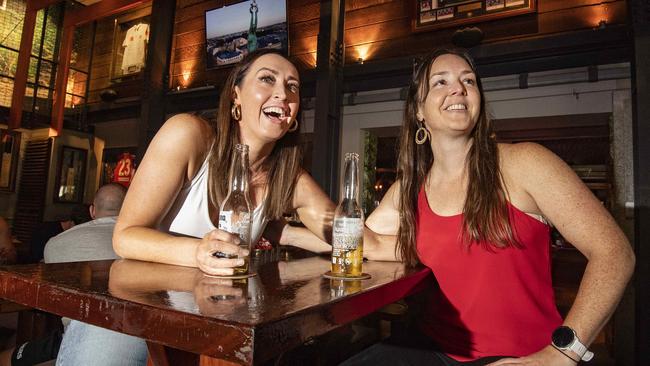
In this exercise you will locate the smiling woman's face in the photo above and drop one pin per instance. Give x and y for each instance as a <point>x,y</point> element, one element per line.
<point>269,96</point>
<point>454,100</point>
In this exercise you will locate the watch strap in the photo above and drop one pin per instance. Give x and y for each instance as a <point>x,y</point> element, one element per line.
<point>580,349</point>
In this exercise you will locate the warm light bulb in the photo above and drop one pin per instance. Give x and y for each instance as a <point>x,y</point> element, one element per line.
<point>186,77</point>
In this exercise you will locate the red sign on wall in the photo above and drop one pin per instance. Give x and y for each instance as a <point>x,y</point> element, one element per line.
<point>124,170</point>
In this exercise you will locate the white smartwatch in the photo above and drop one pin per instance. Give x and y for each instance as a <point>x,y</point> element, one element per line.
<point>565,339</point>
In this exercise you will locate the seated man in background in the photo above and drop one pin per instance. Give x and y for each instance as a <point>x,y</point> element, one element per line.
<point>90,241</point>
<point>49,229</point>
<point>7,249</point>
<point>85,242</point>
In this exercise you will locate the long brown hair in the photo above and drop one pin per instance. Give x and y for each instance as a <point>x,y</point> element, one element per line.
<point>485,211</point>
<point>282,166</point>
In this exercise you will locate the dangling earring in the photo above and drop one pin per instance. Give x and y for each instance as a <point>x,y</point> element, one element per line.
<point>235,112</point>
<point>294,125</point>
<point>421,135</point>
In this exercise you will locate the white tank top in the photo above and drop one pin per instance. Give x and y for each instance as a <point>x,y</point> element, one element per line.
<point>189,214</point>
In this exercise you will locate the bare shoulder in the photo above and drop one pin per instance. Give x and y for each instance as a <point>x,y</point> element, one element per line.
<point>183,136</point>
<point>524,152</point>
<point>530,161</point>
<point>187,126</point>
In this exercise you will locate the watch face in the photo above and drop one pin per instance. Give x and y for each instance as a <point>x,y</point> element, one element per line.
<point>562,337</point>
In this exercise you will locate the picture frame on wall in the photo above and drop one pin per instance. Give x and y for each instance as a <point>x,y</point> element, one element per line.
<point>130,40</point>
<point>9,151</point>
<point>70,175</point>
<point>232,31</point>
<point>436,14</point>
<point>118,165</point>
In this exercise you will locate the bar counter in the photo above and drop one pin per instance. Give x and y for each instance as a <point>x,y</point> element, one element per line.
<point>190,318</point>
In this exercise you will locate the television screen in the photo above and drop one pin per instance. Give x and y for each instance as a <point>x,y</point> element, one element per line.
<point>231,32</point>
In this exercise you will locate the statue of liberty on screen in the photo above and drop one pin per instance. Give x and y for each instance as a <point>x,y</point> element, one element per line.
<point>252,29</point>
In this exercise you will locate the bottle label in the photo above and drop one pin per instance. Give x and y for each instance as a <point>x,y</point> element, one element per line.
<point>347,233</point>
<point>241,226</point>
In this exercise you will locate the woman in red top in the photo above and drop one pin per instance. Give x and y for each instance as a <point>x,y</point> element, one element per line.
<point>476,213</point>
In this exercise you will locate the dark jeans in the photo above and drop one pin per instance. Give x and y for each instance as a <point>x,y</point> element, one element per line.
<point>37,351</point>
<point>409,349</point>
<point>384,354</point>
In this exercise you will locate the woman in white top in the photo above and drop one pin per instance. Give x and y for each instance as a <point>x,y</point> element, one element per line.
<point>183,176</point>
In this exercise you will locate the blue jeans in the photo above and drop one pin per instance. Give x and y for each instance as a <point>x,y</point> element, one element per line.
<point>84,344</point>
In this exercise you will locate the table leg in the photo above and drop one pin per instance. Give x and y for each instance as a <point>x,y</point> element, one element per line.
<point>160,355</point>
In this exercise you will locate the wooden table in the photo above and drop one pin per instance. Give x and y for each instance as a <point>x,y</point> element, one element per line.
<point>190,318</point>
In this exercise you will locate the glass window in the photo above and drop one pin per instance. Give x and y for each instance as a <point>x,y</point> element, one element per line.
<point>38,32</point>
<point>81,47</point>
<point>77,82</point>
<point>74,101</point>
<point>6,88</point>
<point>45,74</point>
<point>43,103</point>
<point>29,98</point>
<point>11,23</point>
<point>31,72</point>
<point>8,62</point>
<point>52,32</point>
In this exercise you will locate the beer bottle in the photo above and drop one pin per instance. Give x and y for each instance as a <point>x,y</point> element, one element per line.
<point>235,210</point>
<point>347,231</point>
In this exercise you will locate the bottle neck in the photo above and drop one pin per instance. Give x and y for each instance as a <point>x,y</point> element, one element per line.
<point>351,179</point>
<point>239,172</point>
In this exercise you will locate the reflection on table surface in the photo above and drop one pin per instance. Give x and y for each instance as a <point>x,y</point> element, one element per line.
<point>246,321</point>
<point>280,288</point>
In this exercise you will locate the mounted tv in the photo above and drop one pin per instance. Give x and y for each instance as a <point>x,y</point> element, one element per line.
<point>232,31</point>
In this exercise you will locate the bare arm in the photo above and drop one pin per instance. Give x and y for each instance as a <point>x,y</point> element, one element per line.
<point>380,236</point>
<point>173,157</point>
<point>316,211</point>
<point>562,198</point>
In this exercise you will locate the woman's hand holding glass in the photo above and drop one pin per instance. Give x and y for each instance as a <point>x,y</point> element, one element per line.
<point>218,252</point>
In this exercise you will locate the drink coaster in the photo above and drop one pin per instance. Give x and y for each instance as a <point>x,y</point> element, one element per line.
<point>363,276</point>
<point>233,277</point>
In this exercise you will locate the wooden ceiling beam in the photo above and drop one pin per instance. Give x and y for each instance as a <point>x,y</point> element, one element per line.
<point>40,4</point>
<point>102,9</point>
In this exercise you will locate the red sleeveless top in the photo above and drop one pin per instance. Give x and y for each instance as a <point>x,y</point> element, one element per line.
<point>488,303</point>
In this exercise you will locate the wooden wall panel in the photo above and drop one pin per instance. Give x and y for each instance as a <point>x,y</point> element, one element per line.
<point>375,29</point>
<point>545,6</point>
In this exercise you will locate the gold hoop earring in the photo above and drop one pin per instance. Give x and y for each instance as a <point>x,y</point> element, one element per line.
<point>294,125</point>
<point>235,112</point>
<point>419,139</point>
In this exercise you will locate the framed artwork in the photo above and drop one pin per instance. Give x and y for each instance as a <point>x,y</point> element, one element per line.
<point>118,165</point>
<point>10,149</point>
<point>130,40</point>
<point>70,175</point>
<point>434,14</point>
<point>232,31</point>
